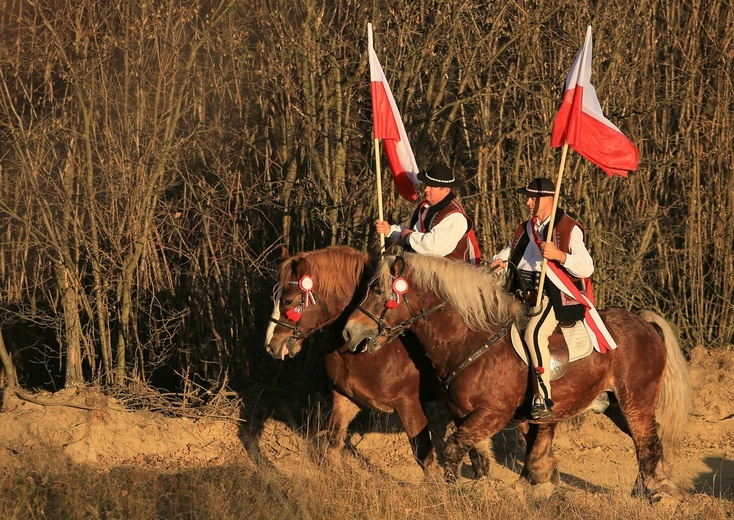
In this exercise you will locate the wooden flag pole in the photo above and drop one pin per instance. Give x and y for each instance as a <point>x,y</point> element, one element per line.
<point>551,223</point>
<point>379,192</point>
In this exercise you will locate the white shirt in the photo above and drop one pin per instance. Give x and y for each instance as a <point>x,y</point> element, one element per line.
<point>578,260</point>
<point>441,240</point>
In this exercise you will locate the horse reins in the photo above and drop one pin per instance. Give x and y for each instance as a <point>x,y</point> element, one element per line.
<point>393,332</point>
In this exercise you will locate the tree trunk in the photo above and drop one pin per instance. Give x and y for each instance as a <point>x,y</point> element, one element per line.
<point>72,337</point>
<point>11,379</point>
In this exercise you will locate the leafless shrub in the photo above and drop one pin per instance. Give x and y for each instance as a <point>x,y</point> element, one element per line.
<point>155,156</point>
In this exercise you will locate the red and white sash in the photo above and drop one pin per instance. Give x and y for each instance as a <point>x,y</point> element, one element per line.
<point>598,333</point>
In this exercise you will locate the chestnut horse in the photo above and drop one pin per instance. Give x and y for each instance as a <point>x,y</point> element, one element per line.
<point>461,315</point>
<point>326,285</point>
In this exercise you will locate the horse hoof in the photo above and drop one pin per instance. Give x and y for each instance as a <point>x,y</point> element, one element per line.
<point>434,477</point>
<point>432,472</point>
<point>541,492</point>
<point>521,484</point>
<point>673,490</point>
<point>480,474</point>
<point>667,492</point>
<point>664,502</point>
<point>555,477</point>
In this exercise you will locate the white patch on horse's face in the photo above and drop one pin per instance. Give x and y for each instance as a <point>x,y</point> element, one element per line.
<point>274,316</point>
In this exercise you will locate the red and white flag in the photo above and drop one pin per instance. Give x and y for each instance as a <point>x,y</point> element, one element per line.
<point>389,128</point>
<point>581,124</point>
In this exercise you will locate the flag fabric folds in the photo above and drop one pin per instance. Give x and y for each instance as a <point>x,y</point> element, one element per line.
<point>580,122</point>
<point>388,127</point>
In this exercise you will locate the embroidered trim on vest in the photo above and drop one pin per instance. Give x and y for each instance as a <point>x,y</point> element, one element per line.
<point>467,249</point>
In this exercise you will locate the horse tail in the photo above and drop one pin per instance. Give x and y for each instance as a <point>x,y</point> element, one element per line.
<point>675,396</point>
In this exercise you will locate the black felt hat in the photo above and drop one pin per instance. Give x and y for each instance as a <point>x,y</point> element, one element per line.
<point>539,187</point>
<point>439,176</point>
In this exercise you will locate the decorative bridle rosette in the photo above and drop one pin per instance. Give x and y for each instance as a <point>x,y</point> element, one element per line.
<point>399,286</point>
<point>306,285</point>
<point>295,313</point>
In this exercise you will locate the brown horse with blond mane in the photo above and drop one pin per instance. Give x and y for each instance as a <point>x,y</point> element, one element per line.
<point>317,291</point>
<point>462,313</point>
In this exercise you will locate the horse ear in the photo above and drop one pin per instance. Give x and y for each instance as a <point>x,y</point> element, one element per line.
<point>294,266</point>
<point>280,262</point>
<point>398,266</point>
<point>300,267</point>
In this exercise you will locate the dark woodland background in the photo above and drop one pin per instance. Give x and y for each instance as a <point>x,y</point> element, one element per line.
<point>155,156</point>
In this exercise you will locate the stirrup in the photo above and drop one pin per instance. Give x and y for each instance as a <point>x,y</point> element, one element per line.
<point>540,409</point>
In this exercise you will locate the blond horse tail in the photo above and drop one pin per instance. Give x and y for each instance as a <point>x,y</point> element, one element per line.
<point>675,396</point>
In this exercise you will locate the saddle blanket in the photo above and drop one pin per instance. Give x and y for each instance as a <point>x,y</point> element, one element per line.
<point>577,340</point>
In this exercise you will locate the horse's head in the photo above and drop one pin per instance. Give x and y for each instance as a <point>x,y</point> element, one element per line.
<point>312,290</point>
<point>385,311</point>
<point>409,290</point>
<point>294,307</point>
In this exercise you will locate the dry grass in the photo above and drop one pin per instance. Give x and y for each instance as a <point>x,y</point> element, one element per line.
<point>50,487</point>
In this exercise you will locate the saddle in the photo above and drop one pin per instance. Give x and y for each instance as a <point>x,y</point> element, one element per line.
<point>569,342</point>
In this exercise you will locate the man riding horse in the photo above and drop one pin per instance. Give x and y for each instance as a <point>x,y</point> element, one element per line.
<point>567,248</point>
<point>439,225</point>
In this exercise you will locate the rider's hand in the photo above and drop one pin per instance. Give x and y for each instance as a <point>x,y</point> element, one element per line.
<point>382,227</point>
<point>551,252</point>
<point>498,264</point>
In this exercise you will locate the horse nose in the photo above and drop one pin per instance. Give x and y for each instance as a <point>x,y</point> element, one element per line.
<point>348,338</point>
<point>270,350</point>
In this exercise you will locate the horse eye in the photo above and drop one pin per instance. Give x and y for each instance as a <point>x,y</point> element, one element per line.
<point>287,301</point>
<point>377,290</point>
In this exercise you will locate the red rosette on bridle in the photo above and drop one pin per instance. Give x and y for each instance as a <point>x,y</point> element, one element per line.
<point>295,313</point>
<point>399,286</point>
<point>306,284</point>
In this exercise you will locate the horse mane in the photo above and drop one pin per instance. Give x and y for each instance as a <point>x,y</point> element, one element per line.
<point>336,270</point>
<point>477,294</point>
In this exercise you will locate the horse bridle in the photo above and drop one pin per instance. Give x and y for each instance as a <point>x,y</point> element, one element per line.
<point>299,334</point>
<point>393,332</point>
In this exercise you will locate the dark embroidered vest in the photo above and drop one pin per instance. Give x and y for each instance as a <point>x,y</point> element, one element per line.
<point>565,307</point>
<point>467,249</point>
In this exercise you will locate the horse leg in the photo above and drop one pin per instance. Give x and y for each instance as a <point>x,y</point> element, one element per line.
<point>540,463</point>
<point>343,411</point>
<point>652,476</point>
<point>423,451</point>
<point>477,427</point>
<point>479,455</point>
<point>639,413</point>
<point>481,459</point>
<point>415,424</point>
<point>529,433</point>
<point>618,418</point>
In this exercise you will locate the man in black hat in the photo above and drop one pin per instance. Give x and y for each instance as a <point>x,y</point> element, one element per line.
<point>439,225</point>
<point>527,250</point>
